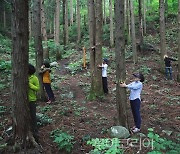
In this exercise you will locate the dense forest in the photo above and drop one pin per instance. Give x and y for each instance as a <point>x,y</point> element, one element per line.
<point>90,76</point>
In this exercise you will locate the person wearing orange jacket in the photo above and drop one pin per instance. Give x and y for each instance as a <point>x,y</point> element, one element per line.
<point>45,70</point>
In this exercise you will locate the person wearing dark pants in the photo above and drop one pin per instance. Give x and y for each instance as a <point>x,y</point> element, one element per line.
<point>135,107</point>
<point>104,75</point>
<point>49,91</point>
<point>32,107</point>
<point>135,99</point>
<point>33,88</point>
<point>105,86</point>
<point>45,71</point>
<point>168,67</point>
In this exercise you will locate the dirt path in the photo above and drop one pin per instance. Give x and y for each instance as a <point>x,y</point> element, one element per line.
<point>83,118</point>
<point>72,82</point>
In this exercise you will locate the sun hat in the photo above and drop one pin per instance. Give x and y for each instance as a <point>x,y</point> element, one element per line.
<point>139,75</point>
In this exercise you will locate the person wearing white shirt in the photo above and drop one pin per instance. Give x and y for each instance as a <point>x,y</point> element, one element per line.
<point>104,75</point>
<point>135,99</point>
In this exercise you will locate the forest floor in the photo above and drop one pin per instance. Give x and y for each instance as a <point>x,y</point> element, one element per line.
<point>74,113</point>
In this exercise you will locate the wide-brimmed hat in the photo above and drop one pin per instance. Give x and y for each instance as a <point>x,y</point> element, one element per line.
<point>139,75</point>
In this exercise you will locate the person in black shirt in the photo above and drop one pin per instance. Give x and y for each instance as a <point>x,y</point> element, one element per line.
<point>168,67</point>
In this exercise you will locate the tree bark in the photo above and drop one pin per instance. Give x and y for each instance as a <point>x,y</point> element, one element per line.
<point>57,29</point>
<point>57,22</point>
<point>121,96</point>
<point>38,44</point>
<point>166,9</point>
<point>104,11</point>
<point>128,21</point>
<point>95,33</point>
<point>111,24</point>
<point>144,16</point>
<point>92,29</point>
<point>178,78</point>
<point>65,19</point>
<point>140,23</point>
<point>30,22</point>
<point>162,33</point>
<point>78,22</point>
<point>43,29</point>
<point>98,48</point>
<point>20,37</point>
<point>4,17</point>
<point>71,12</point>
<point>133,32</point>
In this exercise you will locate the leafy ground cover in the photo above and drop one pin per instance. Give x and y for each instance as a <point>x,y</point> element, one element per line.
<point>72,120</point>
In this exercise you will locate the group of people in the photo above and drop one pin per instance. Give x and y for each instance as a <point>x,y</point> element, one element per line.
<point>135,90</point>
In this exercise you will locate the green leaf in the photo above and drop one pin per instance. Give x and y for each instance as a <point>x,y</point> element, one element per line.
<point>150,129</point>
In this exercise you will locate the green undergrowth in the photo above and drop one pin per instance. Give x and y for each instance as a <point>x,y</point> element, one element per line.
<point>64,140</point>
<point>153,143</point>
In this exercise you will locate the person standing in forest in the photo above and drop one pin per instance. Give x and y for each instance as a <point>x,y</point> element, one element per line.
<point>45,71</point>
<point>135,99</point>
<point>168,67</point>
<point>33,88</point>
<point>104,75</point>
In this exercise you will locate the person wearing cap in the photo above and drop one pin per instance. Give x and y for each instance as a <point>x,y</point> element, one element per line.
<point>168,67</point>
<point>135,99</point>
<point>104,75</point>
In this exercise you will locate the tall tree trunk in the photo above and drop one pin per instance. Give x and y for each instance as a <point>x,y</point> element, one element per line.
<point>121,96</point>
<point>166,9</point>
<point>95,33</point>
<point>144,15</point>
<point>128,21</point>
<point>64,16</point>
<point>126,18</point>
<point>75,12</point>
<point>71,12</point>
<point>57,28</point>
<point>98,48</point>
<point>38,43</point>
<point>65,20</point>
<point>92,34</point>
<point>43,29</point>
<point>30,23</point>
<point>20,37</point>
<point>178,78</point>
<point>66,23</point>
<point>78,22</point>
<point>162,33</point>
<point>133,32</point>
<point>140,23</point>
<point>104,11</point>
<point>57,23</point>
<point>111,24</point>
<point>4,17</point>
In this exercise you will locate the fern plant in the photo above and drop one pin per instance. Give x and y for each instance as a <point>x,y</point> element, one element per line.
<point>161,145</point>
<point>63,140</point>
<point>106,146</point>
